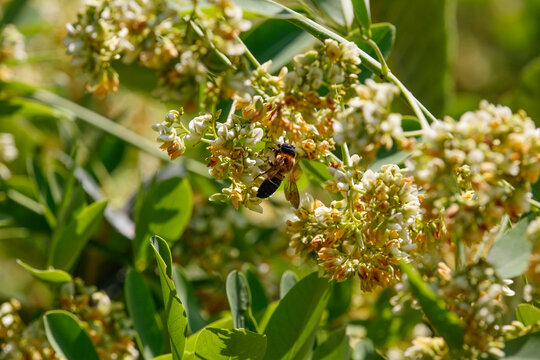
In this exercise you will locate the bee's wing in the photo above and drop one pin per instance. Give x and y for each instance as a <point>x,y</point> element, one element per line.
<point>291,190</point>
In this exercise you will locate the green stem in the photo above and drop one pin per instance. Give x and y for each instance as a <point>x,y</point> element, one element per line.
<point>380,56</point>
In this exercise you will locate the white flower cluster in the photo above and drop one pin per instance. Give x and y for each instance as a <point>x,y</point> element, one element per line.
<point>367,123</point>
<point>475,170</point>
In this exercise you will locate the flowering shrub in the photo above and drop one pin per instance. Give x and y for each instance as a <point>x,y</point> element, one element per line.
<point>424,231</point>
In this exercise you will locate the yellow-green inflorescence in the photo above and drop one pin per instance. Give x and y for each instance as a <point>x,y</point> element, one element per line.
<point>367,233</point>
<point>475,170</point>
<point>104,320</point>
<point>182,43</point>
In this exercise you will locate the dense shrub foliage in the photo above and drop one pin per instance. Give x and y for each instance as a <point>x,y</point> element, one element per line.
<point>299,201</point>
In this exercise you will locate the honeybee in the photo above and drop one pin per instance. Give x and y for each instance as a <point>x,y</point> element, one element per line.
<point>283,168</point>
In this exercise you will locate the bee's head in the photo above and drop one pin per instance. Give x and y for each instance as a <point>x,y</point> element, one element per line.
<point>287,149</point>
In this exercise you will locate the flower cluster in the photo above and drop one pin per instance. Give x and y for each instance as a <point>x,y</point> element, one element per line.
<point>476,169</point>
<point>476,295</point>
<point>367,124</point>
<point>104,320</point>
<point>292,106</point>
<point>289,108</point>
<point>181,46</point>
<point>11,48</point>
<point>368,232</point>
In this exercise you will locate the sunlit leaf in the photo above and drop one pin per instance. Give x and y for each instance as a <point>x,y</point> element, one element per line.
<point>300,310</point>
<point>53,276</point>
<point>527,314</point>
<point>230,344</point>
<point>175,315</point>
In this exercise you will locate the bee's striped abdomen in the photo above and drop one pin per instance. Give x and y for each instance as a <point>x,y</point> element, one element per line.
<point>268,187</point>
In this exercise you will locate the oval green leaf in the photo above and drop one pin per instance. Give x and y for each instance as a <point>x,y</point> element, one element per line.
<point>52,276</point>
<point>509,255</point>
<point>175,315</point>
<point>230,344</point>
<point>527,314</point>
<point>296,318</point>
<point>524,347</point>
<point>67,337</point>
<point>142,310</point>
<point>239,297</point>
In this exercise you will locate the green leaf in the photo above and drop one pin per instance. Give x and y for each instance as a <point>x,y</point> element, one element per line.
<point>67,337</point>
<point>523,348</point>
<point>142,310</point>
<point>175,314</point>
<point>288,280</point>
<point>296,317</point>
<point>259,301</point>
<point>52,276</point>
<point>426,71</point>
<point>239,297</point>
<point>315,170</point>
<point>279,41</point>
<point>164,357</point>
<point>230,344</point>
<point>340,298</point>
<point>165,209</point>
<point>362,13</point>
<point>224,323</point>
<point>72,239</point>
<point>527,314</point>
<point>445,322</point>
<point>335,347</point>
<point>509,255</point>
<point>187,296</point>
